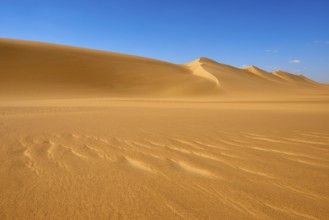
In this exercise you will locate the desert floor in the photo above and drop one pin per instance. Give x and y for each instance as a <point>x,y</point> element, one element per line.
<point>153,159</point>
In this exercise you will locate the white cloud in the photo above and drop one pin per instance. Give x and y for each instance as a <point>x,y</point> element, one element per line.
<point>271,51</point>
<point>295,61</point>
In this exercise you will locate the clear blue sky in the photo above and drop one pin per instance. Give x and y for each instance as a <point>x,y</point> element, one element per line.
<point>286,34</point>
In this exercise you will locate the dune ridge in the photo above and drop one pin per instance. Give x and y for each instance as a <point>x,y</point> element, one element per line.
<point>50,70</point>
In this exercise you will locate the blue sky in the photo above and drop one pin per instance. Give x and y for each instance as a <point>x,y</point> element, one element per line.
<point>271,34</point>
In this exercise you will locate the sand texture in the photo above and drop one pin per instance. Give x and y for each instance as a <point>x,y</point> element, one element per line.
<point>88,134</point>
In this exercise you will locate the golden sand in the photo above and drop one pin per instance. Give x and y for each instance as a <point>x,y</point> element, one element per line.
<point>95,135</point>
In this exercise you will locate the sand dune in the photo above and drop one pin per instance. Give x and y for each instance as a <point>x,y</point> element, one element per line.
<point>48,70</point>
<point>88,134</point>
<point>59,71</point>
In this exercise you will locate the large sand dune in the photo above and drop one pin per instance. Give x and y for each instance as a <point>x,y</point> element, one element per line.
<point>33,69</point>
<point>88,134</point>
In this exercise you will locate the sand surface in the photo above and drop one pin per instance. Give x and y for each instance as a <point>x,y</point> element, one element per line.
<point>87,134</point>
<point>128,159</point>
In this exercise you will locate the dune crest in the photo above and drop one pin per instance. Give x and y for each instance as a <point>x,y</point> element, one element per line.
<point>262,73</point>
<point>197,68</point>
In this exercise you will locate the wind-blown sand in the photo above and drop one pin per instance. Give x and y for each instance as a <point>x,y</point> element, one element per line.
<point>84,136</point>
